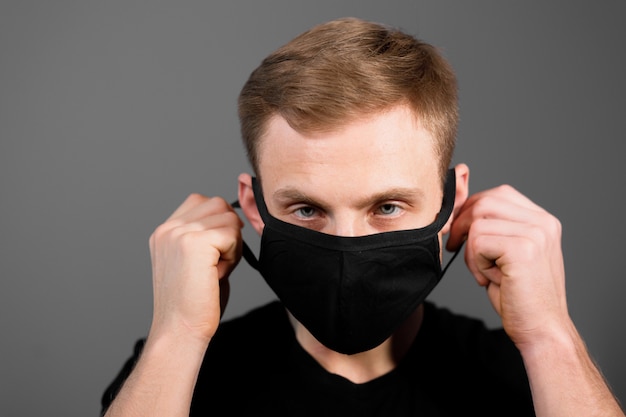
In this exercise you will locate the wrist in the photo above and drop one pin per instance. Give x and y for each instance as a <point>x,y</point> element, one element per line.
<point>551,339</point>
<point>174,328</point>
<point>174,341</point>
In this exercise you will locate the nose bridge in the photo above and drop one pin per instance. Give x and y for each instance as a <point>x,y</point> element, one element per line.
<point>348,223</point>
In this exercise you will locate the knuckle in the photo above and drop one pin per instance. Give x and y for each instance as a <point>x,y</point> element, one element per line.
<point>482,204</point>
<point>485,206</point>
<point>220,205</point>
<point>190,242</point>
<point>195,198</point>
<point>475,240</point>
<point>506,189</point>
<point>220,202</point>
<point>226,236</point>
<point>216,205</point>
<point>537,235</point>
<point>232,218</point>
<point>159,232</point>
<point>186,240</point>
<point>478,231</point>
<point>478,226</point>
<point>554,225</point>
<point>550,225</point>
<point>171,230</point>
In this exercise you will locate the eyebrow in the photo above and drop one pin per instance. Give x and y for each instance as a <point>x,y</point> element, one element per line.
<point>289,195</point>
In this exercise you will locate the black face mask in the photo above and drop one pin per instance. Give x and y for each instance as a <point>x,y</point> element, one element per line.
<point>351,293</point>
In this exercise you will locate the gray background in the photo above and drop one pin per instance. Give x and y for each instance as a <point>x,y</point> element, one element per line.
<point>112,112</point>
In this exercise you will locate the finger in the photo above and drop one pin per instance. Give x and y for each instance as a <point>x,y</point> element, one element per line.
<point>481,264</point>
<point>202,208</point>
<point>493,293</point>
<point>496,257</point>
<point>228,244</point>
<point>210,207</point>
<point>196,206</point>
<point>491,243</point>
<point>489,206</point>
<point>206,234</point>
<point>507,192</point>
<point>228,219</point>
<point>192,200</point>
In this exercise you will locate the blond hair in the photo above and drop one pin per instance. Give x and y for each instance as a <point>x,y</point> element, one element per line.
<point>348,68</point>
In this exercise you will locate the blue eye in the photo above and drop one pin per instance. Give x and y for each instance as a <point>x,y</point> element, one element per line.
<point>305,212</point>
<point>388,209</point>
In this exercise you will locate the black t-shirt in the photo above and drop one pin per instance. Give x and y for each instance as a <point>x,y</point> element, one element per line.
<point>456,367</point>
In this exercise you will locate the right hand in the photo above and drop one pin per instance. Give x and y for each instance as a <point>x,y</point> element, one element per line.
<point>193,252</point>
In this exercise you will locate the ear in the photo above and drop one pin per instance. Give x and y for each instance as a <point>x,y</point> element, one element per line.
<point>462,191</point>
<point>248,204</point>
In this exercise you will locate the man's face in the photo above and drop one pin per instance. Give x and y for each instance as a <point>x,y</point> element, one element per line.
<point>373,175</point>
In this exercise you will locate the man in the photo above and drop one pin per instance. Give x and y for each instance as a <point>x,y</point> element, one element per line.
<point>350,129</point>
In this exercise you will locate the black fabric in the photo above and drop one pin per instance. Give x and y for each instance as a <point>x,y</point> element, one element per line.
<point>456,367</point>
<point>351,292</point>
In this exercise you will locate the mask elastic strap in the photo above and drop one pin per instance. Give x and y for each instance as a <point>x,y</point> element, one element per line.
<point>249,256</point>
<point>454,255</point>
<point>247,252</point>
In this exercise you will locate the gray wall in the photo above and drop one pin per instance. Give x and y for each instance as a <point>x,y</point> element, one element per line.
<point>112,112</point>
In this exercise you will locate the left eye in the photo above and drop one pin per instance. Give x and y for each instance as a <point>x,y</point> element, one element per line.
<point>305,212</point>
<point>388,209</point>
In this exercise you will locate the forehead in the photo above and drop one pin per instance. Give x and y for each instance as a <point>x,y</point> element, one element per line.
<point>388,149</point>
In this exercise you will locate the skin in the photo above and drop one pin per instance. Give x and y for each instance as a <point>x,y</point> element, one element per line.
<point>375,174</point>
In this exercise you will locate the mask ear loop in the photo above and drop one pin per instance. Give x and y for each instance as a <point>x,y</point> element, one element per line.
<point>452,259</point>
<point>247,252</point>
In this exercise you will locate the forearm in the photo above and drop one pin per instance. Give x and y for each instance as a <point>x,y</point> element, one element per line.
<point>162,381</point>
<point>565,381</point>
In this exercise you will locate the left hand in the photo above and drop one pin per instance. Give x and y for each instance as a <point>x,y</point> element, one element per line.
<point>514,250</point>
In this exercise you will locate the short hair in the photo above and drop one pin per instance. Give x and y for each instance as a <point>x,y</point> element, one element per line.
<point>346,69</point>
